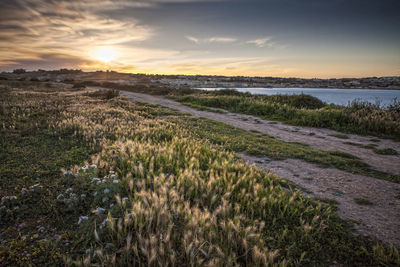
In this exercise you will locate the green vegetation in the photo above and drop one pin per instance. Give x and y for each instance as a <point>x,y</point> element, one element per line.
<point>151,193</point>
<point>341,136</point>
<point>304,110</point>
<point>256,144</point>
<point>369,146</point>
<point>363,201</point>
<point>331,202</point>
<point>386,151</point>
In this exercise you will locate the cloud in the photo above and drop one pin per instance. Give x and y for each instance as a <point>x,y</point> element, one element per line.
<point>261,42</point>
<point>193,39</point>
<point>221,40</point>
<point>46,61</point>
<point>211,39</point>
<point>31,28</point>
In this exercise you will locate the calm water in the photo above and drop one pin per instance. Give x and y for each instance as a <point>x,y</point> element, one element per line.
<point>335,96</point>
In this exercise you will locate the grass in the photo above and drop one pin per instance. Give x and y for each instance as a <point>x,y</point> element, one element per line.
<point>363,201</point>
<point>386,151</point>
<point>341,136</point>
<point>369,146</point>
<point>303,110</point>
<point>331,202</point>
<point>255,144</point>
<point>152,193</point>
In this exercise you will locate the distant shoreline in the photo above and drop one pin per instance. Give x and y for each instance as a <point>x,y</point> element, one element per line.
<point>276,87</point>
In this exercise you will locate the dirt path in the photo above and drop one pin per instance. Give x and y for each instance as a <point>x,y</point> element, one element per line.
<point>321,139</point>
<point>381,219</point>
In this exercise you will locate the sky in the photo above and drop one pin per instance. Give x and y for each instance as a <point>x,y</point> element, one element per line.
<point>285,38</point>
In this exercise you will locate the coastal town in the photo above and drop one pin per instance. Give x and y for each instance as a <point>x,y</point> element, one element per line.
<point>202,81</point>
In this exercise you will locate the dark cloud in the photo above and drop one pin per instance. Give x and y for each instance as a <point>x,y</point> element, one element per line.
<point>46,61</point>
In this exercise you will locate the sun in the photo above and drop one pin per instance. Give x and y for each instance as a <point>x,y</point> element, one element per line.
<point>105,54</point>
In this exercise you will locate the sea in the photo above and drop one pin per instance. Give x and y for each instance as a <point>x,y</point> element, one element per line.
<point>343,97</point>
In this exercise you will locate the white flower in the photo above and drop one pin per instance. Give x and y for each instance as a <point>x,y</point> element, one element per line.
<point>69,191</point>
<point>125,199</point>
<point>95,193</point>
<point>83,195</point>
<point>88,251</point>
<point>111,205</point>
<point>60,197</point>
<point>112,176</point>
<point>115,181</point>
<point>82,218</point>
<point>103,181</point>
<point>95,179</point>
<point>111,172</point>
<point>106,191</point>
<point>99,210</point>
<point>98,182</point>
<point>93,166</point>
<point>35,185</point>
<point>68,173</point>
<point>105,199</point>
<point>24,191</point>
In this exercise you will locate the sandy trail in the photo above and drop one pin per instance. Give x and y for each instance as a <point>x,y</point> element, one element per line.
<point>380,220</point>
<point>321,139</point>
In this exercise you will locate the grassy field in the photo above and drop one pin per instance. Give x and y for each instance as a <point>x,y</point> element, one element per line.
<point>89,178</point>
<point>301,110</point>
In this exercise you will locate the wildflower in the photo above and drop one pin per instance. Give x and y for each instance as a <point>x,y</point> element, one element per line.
<point>115,181</point>
<point>93,166</point>
<point>24,191</point>
<point>95,179</point>
<point>111,205</point>
<point>103,181</point>
<point>105,199</point>
<point>82,218</point>
<point>60,197</point>
<point>69,191</point>
<point>68,173</point>
<point>125,199</point>
<point>106,191</point>
<point>99,210</point>
<point>98,182</point>
<point>95,194</point>
<point>88,251</point>
<point>83,195</point>
<point>112,176</point>
<point>111,172</point>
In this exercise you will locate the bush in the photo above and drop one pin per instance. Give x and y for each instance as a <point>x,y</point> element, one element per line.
<point>104,94</point>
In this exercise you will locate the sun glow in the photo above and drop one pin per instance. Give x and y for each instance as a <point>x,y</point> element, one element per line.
<point>105,54</point>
